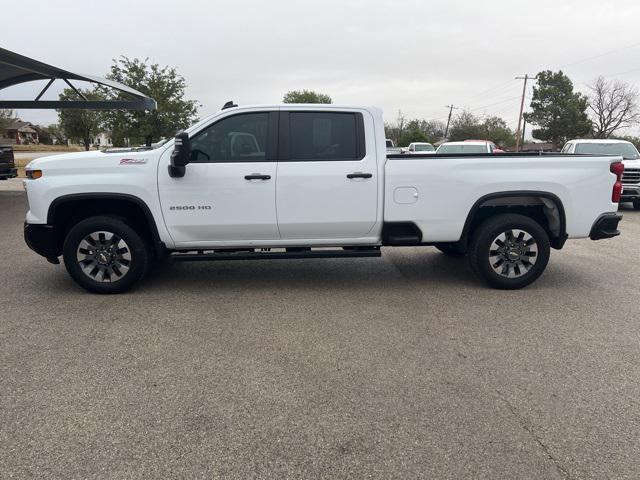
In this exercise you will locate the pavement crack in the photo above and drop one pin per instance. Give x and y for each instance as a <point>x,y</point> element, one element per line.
<point>530,431</point>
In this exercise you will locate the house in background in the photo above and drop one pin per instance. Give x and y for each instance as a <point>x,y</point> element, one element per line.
<point>20,133</point>
<point>103,140</point>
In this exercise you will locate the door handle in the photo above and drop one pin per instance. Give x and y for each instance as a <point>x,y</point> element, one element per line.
<point>257,176</point>
<point>359,175</point>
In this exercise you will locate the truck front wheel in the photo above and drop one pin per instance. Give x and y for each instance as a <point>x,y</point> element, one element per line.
<point>509,251</point>
<point>105,255</point>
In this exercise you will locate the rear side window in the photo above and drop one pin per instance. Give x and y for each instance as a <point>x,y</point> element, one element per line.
<point>325,136</point>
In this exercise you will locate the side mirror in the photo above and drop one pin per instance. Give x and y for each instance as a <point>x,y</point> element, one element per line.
<point>181,155</point>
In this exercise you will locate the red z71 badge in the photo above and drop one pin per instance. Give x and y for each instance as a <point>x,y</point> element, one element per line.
<point>132,161</point>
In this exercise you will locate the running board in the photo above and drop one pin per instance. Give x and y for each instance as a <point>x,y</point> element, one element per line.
<point>268,255</point>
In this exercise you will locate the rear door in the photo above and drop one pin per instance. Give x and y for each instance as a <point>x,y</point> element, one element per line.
<point>327,175</point>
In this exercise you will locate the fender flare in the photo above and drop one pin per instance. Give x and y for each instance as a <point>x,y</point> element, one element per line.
<point>556,242</point>
<point>151,222</point>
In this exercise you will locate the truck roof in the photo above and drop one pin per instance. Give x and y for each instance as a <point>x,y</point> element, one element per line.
<point>598,140</point>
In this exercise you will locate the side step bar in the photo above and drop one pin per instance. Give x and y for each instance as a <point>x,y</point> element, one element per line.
<point>207,255</point>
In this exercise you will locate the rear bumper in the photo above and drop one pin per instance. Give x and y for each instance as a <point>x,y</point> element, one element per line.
<point>42,239</point>
<point>8,173</point>
<point>606,226</point>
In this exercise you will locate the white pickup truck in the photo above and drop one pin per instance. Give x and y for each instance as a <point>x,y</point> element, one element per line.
<point>309,181</point>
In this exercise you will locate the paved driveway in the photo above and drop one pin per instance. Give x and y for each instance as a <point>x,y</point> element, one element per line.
<point>399,367</point>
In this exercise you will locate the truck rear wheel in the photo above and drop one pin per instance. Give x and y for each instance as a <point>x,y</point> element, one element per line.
<point>105,255</point>
<point>509,251</point>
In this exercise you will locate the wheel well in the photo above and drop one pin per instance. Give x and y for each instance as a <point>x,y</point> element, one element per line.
<point>546,209</point>
<point>66,212</point>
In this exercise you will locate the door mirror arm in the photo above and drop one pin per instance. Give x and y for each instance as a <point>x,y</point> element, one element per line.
<point>181,155</point>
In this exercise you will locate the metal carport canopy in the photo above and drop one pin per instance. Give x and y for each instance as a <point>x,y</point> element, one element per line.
<point>16,69</point>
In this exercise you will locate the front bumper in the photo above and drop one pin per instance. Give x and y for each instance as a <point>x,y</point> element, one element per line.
<point>8,173</point>
<point>606,226</point>
<point>43,240</point>
<point>630,192</point>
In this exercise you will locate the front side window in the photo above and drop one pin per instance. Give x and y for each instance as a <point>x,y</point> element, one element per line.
<point>240,138</point>
<point>323,136</point>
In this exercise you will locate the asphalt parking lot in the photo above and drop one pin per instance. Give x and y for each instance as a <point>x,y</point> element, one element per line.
<point>399,367</point>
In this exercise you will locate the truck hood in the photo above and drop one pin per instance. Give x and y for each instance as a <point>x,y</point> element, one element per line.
<point>94,159</point>
<point>631,163</point>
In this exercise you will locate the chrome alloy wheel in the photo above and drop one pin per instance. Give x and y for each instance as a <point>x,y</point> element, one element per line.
<point>104,256</point>
<point>513,253</point>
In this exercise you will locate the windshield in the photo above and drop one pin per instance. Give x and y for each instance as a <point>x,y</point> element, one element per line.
<point>462,149</point>
<point>625,150</point>
<point>424,148</point>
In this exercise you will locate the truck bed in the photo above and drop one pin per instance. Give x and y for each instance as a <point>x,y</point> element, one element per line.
<point>437,192</point>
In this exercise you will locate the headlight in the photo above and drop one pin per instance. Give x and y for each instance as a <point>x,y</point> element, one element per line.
<point>33,174</point>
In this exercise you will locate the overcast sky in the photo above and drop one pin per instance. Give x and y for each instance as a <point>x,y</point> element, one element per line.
<point>412,55</point>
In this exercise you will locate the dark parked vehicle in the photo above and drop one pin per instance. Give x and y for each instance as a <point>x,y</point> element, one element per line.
<point>7,164</point>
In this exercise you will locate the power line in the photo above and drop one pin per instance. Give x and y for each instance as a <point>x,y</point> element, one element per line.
<point>599,55</point>
<point>496,103</point>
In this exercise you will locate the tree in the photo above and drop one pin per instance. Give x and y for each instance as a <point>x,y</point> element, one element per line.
<point>467,126</point>
<point>614,105</point>
<point>560,112</point>
<point>395,130</point>
<point>56,134</point>
<point>163,84</point>
<point>6,117</point>
<point>305,96</point>
<point>497,130</point>
<point>80,125</point>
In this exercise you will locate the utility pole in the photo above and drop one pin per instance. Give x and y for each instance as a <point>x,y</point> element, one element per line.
<point>451,109</point>
<point>524,91</point>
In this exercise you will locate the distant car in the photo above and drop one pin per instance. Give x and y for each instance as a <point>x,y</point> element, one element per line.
<point>7,165</point>
<point>629,154</point>
<point>420,148</point>
<point>391,147</point>
<point>469,146</point>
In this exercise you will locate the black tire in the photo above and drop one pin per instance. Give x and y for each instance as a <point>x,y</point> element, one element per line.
<point>451,250</point>
<point>125,246</point>
<point>636,204</point>
<point>531,260</point>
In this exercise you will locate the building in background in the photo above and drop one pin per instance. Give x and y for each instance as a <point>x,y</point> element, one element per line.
<point>21,133</point>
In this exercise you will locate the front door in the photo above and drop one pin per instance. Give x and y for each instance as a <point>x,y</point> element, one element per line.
<point>327,176</point>
<point>228,191</point>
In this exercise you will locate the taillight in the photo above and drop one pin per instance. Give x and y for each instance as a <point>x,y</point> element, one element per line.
<point>618,169</point>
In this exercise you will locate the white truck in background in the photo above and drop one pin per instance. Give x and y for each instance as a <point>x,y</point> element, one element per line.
<point>418,148</point>
<point>309,181</point>
<point>621,148</point>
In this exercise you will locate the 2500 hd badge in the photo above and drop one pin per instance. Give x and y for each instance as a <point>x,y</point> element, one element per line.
<point>190,207</point>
